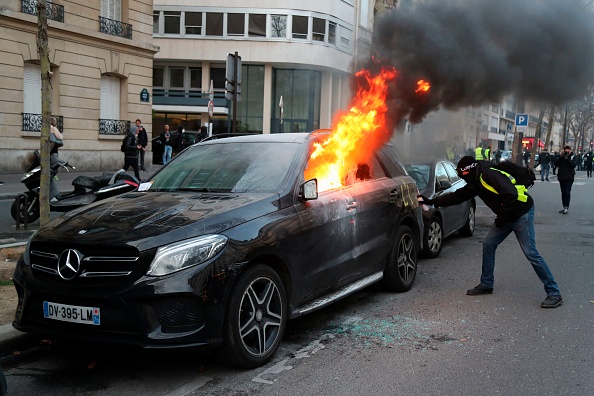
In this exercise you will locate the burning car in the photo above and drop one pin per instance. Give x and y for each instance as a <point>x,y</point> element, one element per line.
<point>221,247</point>
<point>435,177</point>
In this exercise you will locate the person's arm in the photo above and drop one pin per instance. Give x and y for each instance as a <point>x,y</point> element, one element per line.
<point>463,194</point>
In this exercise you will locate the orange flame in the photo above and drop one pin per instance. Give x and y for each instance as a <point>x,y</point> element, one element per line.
<point>423,86</point>
<point>357,133</point>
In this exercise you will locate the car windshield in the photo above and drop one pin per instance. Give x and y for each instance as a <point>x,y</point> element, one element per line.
<point>420,173</point>
<point>228,167</point>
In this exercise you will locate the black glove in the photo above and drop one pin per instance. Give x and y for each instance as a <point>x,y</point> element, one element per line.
<point>424,200</point>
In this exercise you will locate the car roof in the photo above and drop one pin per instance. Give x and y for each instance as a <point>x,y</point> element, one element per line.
<point>431,161</point>
<point>295,137</point>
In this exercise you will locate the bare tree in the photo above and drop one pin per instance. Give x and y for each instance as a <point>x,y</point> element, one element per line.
<point>580,117</point>
<point>43,51</point>
<point>278,23</point>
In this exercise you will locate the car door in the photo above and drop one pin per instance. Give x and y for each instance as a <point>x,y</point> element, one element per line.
<point>450,214</point>
<point>379,206</point>
<point>327,240</point>
<point>462,209</point>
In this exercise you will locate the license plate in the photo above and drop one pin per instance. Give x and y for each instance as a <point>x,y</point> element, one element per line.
<point>71,313</point>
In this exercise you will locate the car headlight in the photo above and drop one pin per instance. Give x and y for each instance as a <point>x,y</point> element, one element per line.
<point>177,256</point>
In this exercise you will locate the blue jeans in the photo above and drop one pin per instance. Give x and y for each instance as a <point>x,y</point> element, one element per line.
<point>544,172</point>
<point>523,227</point>
<point>167,154</point>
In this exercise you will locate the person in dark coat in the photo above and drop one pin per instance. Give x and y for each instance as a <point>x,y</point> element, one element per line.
<point>177,140</point>
<point>143,141</point>
<point>515,213</point>
<point>588,158</point>
<point>132,148</point>
<point>565,174</point>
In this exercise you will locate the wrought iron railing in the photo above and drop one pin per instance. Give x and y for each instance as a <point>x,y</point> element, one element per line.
<point>113,127</point>
<point>32,122</point>
<point>55,12</point>
<point>115,28</point>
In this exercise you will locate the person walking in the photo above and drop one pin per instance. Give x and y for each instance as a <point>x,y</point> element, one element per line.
<point>588,158</point>
<point>131,151</point>
<point>555,158</point>
<point>515,213</point>
<point>166,141</point>
<point>526,158</point>
<point>565,174</point>
<point>143,141</point>
<point>544,160</point>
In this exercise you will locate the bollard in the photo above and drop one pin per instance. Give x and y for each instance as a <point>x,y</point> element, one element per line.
<point>24,198</point>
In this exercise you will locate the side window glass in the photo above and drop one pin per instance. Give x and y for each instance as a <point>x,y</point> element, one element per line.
<point>365,171</point>
<point>440,173</point>
<point>451,173</point>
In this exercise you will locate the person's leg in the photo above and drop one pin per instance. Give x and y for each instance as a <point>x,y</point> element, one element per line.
<point>564,195</point>
<point>136,169</point>
<point>142,160</point>
<point>524,230</point>
<point>494,238</point>
<point>169,150</point>
<point>164,155</point>
<point>547,166</point>
<point>126,164</point>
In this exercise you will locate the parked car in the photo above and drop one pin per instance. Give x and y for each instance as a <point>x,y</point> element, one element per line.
<point>188,139</point>
<point>435,177</point>
<point>506,155</point>
<point>219,248</point>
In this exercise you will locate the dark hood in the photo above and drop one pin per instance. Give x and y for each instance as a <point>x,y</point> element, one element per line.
<point>147,220</point>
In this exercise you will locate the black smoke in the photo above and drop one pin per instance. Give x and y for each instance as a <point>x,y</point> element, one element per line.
<point>477,51</point>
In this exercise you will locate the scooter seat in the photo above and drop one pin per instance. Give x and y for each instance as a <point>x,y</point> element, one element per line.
<point>92,182</point>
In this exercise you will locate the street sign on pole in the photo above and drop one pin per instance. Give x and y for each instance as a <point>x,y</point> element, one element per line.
<point>211,100</point>
<point>521,122</point>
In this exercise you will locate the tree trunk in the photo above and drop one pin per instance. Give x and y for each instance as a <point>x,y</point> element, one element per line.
<point>550,129</point>
<point>537,133</point>
<point>42,50</point>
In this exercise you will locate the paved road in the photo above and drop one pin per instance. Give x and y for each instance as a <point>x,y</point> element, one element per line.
<point>432,340</point>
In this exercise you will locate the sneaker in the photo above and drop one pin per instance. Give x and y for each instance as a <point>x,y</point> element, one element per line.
<point>56,178</point>
<point>1,183</point>
<point>547,179</point>
<point>563,211</point>
<point>478,290</point>
<point>551,302</point>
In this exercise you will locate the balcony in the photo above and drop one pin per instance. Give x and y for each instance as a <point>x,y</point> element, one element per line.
<point>32,122</point>
<point>510,115</point>
<point>187,98</point>
<point>115,28</point>
<point>55,12</point>
<point>113,127</point>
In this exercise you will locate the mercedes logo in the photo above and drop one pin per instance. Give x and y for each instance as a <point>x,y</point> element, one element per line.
<point>69,264</point>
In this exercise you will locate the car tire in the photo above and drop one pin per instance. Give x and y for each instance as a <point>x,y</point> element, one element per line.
<point>468,229</point>
<point>255,319</point>
<point>401,265</point>
<point>433,238</point>
<point>17,210</point>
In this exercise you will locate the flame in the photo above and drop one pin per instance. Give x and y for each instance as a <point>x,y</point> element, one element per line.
<point>423,86</point>
<point>357,133</point>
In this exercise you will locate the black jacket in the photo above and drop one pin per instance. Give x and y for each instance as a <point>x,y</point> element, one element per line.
<point>130,145</point>
<point>566,168</point>
<point>142,137</point>
<point>505,204</point>
<point>544,157</point>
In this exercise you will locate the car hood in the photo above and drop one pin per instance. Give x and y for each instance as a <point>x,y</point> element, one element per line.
<point>148,220</point>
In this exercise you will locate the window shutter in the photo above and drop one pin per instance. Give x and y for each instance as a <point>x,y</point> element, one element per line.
<point>32,89</point>
<point>110,98</point>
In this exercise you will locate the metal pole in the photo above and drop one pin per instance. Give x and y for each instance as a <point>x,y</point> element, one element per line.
<point>564,130</point>
<point>235,92</point>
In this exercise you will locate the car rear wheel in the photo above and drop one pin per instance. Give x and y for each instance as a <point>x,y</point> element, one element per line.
<point>18,210</point>
<point>433,238</point>
<point>468,229</point>
<point>255,319</point>
<point>401,267</point>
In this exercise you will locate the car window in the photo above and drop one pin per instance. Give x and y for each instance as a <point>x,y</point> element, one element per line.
<point>451,170</point>
<point>228,167</point>
<point>365,171</point>
<point>420,174</point>
<point>440,173</point>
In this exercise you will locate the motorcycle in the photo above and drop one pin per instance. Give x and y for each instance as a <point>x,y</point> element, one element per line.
<point>86,189</point>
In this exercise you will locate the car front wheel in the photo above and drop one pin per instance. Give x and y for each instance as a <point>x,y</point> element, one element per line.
<point>255,319</point>
<point>401,267</point>
<point>433,239</point>
<point>468,229</point>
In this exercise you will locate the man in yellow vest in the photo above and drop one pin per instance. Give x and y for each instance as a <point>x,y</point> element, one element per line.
<point>487,154</point>
<point>515,213</point>
<point>478,152</point>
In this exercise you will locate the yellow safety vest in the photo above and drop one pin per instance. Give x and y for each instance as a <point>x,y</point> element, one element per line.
<point>522,197</point>
<point>488,154</point>
<point>478,153</point>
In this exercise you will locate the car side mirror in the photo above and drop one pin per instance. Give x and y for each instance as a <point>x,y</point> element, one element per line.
<point>309,190</point>
<point>443,185</point>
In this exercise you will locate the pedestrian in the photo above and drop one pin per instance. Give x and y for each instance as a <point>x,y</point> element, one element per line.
<point>544,160</point>
<point>565,174</point>
<point>526,157</point>
<point>132,149</point>
<point>166,142</point>
<point>497,156</point>
<point>143,141</point>
<point>515,213</point>
<point>588,158</point>
<point>56,139</point>
<point>555,158</point>
<point>177,140</point>
<point>578,161</point>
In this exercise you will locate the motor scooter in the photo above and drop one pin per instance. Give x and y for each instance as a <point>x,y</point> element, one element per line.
<point>86,189</point>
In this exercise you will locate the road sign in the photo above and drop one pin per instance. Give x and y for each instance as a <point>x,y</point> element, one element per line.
<point>521,122</point>
<point>210,108</point>
<point>233,77</point>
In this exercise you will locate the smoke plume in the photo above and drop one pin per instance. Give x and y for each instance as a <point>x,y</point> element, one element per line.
<point>473,52</point>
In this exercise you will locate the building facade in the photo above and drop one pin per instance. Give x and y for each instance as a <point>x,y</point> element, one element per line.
<point>101,54</point>
<point>303,52</point>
